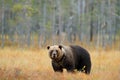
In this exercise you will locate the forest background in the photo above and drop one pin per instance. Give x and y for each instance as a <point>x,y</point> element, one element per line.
<point>38,22</point>
<point>28,26</point>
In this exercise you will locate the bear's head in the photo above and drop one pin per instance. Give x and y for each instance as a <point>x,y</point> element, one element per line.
<point>55,52</point>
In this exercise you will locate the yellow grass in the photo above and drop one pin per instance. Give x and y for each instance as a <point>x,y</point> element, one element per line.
<point>24,64</point>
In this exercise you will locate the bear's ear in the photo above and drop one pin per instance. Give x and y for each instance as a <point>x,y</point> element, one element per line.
<point>60,46</point>
<point>48,47</point>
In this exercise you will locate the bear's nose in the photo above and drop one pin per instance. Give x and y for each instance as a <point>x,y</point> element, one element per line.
<point>54,53</point>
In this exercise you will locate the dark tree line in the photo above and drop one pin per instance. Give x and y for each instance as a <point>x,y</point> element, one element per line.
<point>39,22</point>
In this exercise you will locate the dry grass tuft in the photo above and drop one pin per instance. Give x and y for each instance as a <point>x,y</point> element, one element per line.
<point>19,64</point>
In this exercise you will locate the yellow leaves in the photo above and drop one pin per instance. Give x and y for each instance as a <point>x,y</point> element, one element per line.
<point>48,25</point>
<point>26,9</point>
<point>17,7</point>
<point>29,10</point>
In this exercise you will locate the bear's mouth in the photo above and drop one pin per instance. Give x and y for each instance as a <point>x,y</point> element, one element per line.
<point>54,56</point>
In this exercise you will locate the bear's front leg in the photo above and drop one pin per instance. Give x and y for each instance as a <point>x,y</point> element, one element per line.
<point>56,67</point>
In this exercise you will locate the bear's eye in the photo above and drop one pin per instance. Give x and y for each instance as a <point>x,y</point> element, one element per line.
<point>51,51</point>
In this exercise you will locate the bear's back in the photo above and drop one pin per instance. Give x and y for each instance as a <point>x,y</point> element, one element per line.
<point>79,51</point>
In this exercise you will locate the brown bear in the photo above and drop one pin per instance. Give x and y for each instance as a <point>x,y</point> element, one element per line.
<point>71,58</point>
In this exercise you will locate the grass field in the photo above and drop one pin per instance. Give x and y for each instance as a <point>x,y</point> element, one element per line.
<point>33,64</point>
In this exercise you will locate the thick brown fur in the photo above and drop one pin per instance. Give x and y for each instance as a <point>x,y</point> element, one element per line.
<point>70,58</point>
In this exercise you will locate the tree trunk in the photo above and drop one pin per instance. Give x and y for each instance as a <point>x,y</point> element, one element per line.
<point>59,21</point>
<point>2,45</point>
<point>91,21</point>
<point>42,36</point>
<point>53,22</point>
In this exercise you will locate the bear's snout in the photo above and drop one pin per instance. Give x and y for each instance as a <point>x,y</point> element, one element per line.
<point>54,54</point>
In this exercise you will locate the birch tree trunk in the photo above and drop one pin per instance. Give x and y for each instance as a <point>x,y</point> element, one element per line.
<point>91,20</point>
<point>81,11</point>
<point>82,24</point>
<point>109,20</point>
<point>53,22</point>
<point>59,21</point>
<point>28,23</point>
<point>42,36</point>
<point>79,20</point>
<point>3,36</point>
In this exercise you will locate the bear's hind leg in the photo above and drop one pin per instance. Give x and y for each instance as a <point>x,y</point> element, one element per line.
<point>87,70</point>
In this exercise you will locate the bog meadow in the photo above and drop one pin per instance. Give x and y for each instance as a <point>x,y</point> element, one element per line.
<point>27,27</point>
<point>34,64</point>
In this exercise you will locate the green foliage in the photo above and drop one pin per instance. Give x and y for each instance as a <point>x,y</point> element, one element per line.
<point>17,8</point>
<point>48,25</point>
<point>8,2</point>
<point>29,11</point>
<point>12,23</point>
<point>118,8</point>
